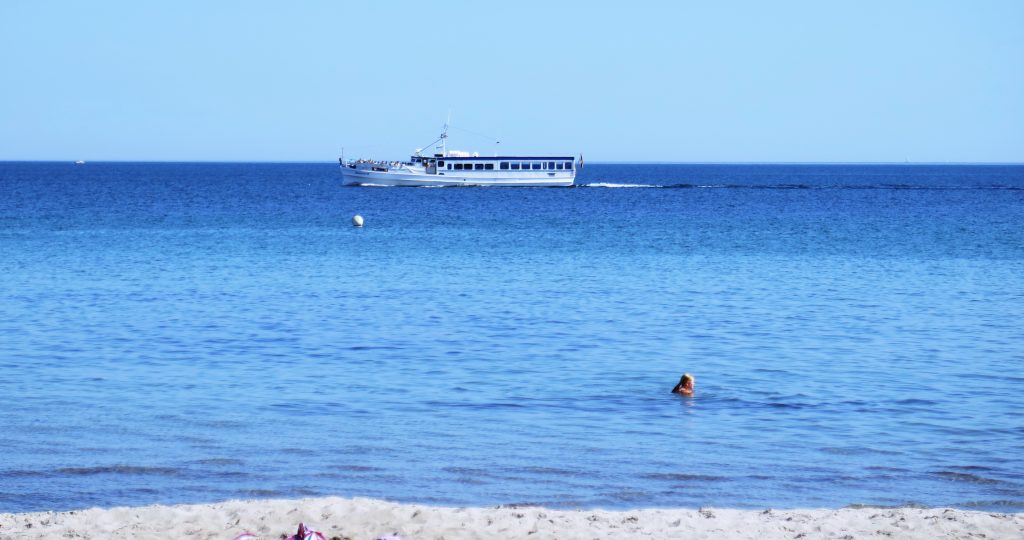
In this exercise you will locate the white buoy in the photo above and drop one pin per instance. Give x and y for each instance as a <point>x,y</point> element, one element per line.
<point>357,220</point>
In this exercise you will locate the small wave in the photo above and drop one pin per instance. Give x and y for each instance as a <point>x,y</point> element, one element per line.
<point>915,401</point>
<point>480,406</point>
<point>218,461</point>
<point>967,478</point>
<point>887,469</point>
<point>783,405</point>
<point>471,481</point>
<point>628,495</point>
<point>263,493</point>
<point>682,477</point>
<point>358,468</point>
<point>220,424</point>
<point>227,475</point>
<point>118,469</point>
<point>518,505</point>
<point>856,451</point>
<point>780,186</point>
<point>907,504</point>
<point>1001,505</point>
<point>298,451</point>
<point>24,474</point>
<point>535,469</point>
<point>469,471</point>
<point>973,468</point>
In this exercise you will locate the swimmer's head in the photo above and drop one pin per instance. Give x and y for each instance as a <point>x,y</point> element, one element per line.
<point>687,378</point>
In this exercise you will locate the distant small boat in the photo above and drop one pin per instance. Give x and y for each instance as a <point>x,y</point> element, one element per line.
<point>80,162</point>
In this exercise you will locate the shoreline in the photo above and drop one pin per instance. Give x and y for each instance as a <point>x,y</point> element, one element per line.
<point>362,518</point>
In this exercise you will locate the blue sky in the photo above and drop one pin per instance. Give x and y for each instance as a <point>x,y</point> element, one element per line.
<point>928,81</point>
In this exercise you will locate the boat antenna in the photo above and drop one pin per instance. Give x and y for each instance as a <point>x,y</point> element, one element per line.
<point>497,140</point>
<point>441,139</point>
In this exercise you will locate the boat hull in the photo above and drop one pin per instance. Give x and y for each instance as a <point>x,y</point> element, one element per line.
<point>361,177</point>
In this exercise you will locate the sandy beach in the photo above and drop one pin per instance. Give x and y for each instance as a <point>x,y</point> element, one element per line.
<point>359,519</point>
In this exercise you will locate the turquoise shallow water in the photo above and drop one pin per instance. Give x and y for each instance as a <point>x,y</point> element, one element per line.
<point>196,332</point>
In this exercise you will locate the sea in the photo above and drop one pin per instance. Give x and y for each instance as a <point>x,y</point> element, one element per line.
<point>196,332</point>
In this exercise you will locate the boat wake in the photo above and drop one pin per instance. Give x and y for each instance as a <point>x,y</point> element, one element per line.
<point>614,185</point>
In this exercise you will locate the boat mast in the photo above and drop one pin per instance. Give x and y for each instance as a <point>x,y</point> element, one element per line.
<point>444,135</point>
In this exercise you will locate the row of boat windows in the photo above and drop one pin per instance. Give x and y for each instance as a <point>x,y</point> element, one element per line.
<point>511,165</point>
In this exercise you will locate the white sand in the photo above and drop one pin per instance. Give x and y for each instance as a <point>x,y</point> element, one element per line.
<point>360,519</point>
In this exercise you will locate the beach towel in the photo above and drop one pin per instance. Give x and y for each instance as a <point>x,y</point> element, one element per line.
<point>305,533</point>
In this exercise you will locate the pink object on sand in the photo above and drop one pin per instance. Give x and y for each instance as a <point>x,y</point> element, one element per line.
<point>305,533</point>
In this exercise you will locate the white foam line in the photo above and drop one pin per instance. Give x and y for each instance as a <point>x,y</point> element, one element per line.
<point>609,185</point>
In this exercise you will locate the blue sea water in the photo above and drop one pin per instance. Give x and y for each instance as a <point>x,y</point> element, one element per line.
<point>176,332</point>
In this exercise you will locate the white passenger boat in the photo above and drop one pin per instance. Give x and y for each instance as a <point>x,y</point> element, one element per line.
<point>455,168</point>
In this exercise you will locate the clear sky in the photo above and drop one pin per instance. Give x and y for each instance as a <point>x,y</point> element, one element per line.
<point>850,81</point>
